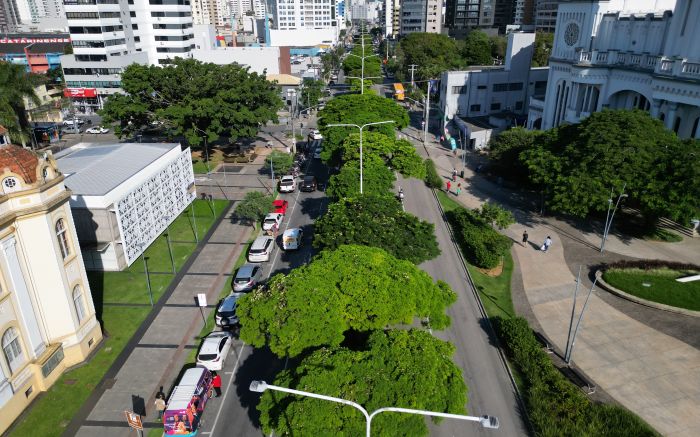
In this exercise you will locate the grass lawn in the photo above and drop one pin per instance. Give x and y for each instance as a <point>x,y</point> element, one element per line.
<point>495,290</point>
<point>199,165</point>
<point>661,286</point>
<point>447,202</point>
<point>52,412</point>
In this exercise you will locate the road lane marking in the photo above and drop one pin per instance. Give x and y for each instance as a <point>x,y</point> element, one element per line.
<point>228,387</point>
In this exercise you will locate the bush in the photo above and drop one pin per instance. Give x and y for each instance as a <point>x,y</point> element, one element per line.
<point>481,244</point>
<point>432,178</point>
<point>651,264</point>
<point>555,406</point>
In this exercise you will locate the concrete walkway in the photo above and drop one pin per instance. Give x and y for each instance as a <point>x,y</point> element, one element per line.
<point>653,374</point>
<point>158,350</point>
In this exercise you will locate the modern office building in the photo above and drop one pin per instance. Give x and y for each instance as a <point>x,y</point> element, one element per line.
<point>546,15</point>
<point>302,23</point>
<point>9,16</point>
<point>42,16</point>
<point>47,317</point>
<point>204,11</point>
<point>109,35</point>
<point>621,54</point>
<point>123,196</point>
<point>241,8</point>
<point>524,13</point>
<point>420,16</point>
<point>463,15</point>
<point>484,100</point>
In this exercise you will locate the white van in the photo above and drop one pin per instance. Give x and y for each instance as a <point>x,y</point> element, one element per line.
<point>261,249</point>
<point>291,239</point>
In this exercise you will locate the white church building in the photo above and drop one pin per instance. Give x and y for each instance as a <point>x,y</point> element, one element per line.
<point>624,54</point>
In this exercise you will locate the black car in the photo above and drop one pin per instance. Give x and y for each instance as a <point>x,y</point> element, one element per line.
<point>308,184</point>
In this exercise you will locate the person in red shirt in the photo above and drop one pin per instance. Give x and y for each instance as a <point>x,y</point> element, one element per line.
<point>217,384</point>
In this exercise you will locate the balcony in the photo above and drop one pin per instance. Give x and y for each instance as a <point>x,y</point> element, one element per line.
<point>678,67</point>
<point>615,58</point>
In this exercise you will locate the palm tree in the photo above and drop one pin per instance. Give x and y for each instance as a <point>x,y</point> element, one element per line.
<point>16,84</point>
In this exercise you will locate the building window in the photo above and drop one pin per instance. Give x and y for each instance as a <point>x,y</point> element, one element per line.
<point>475,108</point>
<point>62,238</point>
<point>10,184</point>
<point>518,105</point>
<point>12,349</point>
<point>495,106</point>
<point>79,303</point>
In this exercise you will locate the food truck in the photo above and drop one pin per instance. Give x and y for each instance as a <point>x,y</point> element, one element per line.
<point>187,402</point>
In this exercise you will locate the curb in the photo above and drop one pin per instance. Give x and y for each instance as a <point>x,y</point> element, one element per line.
<point>659,306</point>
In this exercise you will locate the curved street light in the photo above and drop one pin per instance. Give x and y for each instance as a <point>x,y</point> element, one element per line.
<point>489,422</point>
<point>361,128</point>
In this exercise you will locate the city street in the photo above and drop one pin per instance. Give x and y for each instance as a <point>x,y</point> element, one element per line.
<point>236,409</point>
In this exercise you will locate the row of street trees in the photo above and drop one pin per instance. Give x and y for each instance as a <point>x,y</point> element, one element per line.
<point>333,315</point>
<point>576,166</point>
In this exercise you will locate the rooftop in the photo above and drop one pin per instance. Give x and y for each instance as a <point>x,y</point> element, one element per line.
<point>96,170</point>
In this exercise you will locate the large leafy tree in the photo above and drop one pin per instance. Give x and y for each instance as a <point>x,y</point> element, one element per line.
<point>376,179</point>
<point>409,369</point>
<point>352,288</point>
<point>377,221</point>
<point>432,53</point>
<point>477,48</point>
<point>280,162</point>
<point>15,86</point>
<point>193,99</point>
<point>254,206</point>
<point>544,41</point>
<point>400,155</point>
<point>357,109</point>
<point>311,93</point>
<point>352,65</point>
<point>578,165</point>
<point>505,149</point>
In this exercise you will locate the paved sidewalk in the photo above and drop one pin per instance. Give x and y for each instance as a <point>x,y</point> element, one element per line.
<point>156,354</point>
<point>653,374</point>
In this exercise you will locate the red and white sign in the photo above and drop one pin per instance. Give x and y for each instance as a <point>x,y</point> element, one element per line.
<point>80,92</point>
<point>31,40</point>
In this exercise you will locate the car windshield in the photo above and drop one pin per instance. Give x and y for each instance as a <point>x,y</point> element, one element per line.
<point>206,357</point>
<point>256,251</point>
<point>287,182</point>
<point>270,221</point>
<point>308,180</point>
<point>242,280</point>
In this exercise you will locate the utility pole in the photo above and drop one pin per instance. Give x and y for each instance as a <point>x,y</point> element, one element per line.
<point>427,115</point>
<point>413,69</point>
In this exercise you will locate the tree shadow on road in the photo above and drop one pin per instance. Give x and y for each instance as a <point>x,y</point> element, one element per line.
<point>260,365</point>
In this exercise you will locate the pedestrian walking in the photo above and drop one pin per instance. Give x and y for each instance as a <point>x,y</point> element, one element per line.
<point>217,384</point>
<point>160,407</point>
<point>546,244</point>
<point>449,185</point>
<point>525,237</point>
<point>459,189</point>
<point>454,174</point>
<point>160,393</point>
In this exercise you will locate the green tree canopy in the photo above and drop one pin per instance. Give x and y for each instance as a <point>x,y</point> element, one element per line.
<point>376,221</point>
<point>432,53</point>
<point>578,165</point>
<point>16,85</point>
<point>352,288</point>
<point>495,215</point>
<point>352,65</point>
<point>505,149</point>
<point>400,155</point>
<point>357,109</point>
<point>409,369</point>
<point>377,179</point>
<point>544,41</point>
<point>254,207</point>
<point>477,49</point>
<point>281,162</point>
<point>311,93</point>
<point>193,99</point>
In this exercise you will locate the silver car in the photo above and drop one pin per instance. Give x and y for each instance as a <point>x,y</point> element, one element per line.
<point>247,277</point>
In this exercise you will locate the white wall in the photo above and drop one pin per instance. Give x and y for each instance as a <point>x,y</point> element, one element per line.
<point>257,58</point>
<point>303,37</point>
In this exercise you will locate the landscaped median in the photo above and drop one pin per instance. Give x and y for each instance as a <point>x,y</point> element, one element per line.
<point>122,303</point>
<point>555,406</point>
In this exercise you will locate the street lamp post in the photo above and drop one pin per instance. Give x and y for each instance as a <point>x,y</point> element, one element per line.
<point>609,217</point>
<point>362,58</point>
<point>361,128</point>
<point>148,276</point>
<point>485,421</point>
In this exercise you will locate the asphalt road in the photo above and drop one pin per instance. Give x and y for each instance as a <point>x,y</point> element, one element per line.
<point>490,391</point>
<point>235,412</point>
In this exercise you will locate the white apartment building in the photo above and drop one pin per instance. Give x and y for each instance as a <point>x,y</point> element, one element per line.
<point>109,35</point>
<point>624,54</point>
<point>38,15</point>
<point>302,22</point>
<point>223,12</point>
<point>239,8</point>
<point>421,16</point>
<point>203,11</point>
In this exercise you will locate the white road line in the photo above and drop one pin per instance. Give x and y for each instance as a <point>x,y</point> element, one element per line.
<point>228,387</point>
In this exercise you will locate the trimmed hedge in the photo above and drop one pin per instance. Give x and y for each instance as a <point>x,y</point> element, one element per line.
<point>432,178</point>
<point>482,245</point>
<point>556,407</point>
<point>651,264</point>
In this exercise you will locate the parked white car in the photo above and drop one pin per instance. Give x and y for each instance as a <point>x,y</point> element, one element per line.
<point>97,130</point>
<point>214,350</point>
<point>287,184</point>
<point>261,249</point>
<point>271,220</point>
<point>315,135</point>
